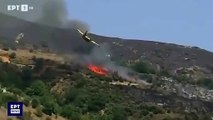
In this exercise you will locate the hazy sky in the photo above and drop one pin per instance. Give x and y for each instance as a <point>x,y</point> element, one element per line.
<point>187,22</point>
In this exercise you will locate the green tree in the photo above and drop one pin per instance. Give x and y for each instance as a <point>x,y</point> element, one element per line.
<point>96,103</point>
<point>35,103</point>
<point>38,88</point>
<point>81,101</point>
<point>71,112</point>
<point>9,76</point>
<point>206,117</point>
<point>72,94</point>
<point>16,91</point>
<point>26,102</point>
<point>191,116</point>
<point>119,113</point>
<point>26,75</point>
<point>206,82</point>
<point>48,108</point>
<point>39,64</point>
<point>49,105</point>
<point>155,109</point>
<point>143,67</point>
<point>80,83</point>
<point>144,112</point>
<point>5,97</point>
<point>164,72</point>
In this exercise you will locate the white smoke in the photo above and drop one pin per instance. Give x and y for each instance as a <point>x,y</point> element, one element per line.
<point>101,56</point>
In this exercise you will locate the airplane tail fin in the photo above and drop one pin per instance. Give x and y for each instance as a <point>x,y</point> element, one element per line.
<point>85,34</point>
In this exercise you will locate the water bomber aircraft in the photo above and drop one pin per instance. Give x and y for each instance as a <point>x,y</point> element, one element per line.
<point>86,38</point>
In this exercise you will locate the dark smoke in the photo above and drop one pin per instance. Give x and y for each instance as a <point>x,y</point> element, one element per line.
<point>48,12</point>
<point>54,13</point>
<point>76,24</point>
<point>51,15</point>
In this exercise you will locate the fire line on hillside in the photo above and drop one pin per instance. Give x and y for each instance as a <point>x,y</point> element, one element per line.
<point>98,70</point>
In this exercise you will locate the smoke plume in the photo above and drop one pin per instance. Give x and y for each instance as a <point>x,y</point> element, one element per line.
<point>54,13</point>
<point>101,56</point>
<point>48,12</point>
<point>50,16</point>
<point>76,24</point>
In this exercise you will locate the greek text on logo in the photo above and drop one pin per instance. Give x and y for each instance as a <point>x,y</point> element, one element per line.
<point>15,108</point>
<point>22,7</point>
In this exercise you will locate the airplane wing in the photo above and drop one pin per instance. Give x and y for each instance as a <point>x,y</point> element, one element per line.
<point>88,38</point>
<point>95,43</point>
<point>80,32</point>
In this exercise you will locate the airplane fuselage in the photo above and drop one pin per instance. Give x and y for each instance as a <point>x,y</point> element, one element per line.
<point>86,39</point>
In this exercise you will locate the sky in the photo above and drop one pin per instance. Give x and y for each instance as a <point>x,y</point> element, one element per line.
<point>186,22</point>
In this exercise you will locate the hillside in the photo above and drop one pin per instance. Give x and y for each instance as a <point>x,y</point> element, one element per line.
<point>78,94</point>
<point>145,80</point>
<point>166,55</point>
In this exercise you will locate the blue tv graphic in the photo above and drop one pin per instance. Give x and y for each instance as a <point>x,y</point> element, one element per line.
<point>15,109</point>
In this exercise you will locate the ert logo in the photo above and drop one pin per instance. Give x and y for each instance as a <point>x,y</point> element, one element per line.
<point>14,109</point>
<point>22,7</point>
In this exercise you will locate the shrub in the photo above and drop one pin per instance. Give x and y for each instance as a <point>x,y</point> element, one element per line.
<point>26,102</point>
<point>208,83</point>
<point>119,113</point>
<point>96,103</point>
<point>144,112</point>
<point>71,112</point>
<point>5,98</point>
<point>49,105</point>
<point>143,67</point>
<point>12,55</point>
<point>48,108</point>
<point>155,110</point>
<point>38,88</point>
<point>164,72</point>
<point>35,103</point>
<point>39,64</point>
<point>80,83</point>
<point>26,75</point>
<point>147,77</point>
<point>71,95</point>
<point>182,78</point>
<point>27,116</point>
<point>16,91</point>
<point>38,112</point>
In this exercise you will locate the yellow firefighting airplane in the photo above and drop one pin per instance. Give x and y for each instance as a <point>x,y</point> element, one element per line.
<point>86,38</point>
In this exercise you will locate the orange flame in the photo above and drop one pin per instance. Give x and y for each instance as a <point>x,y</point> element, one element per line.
<point>97,69</point>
